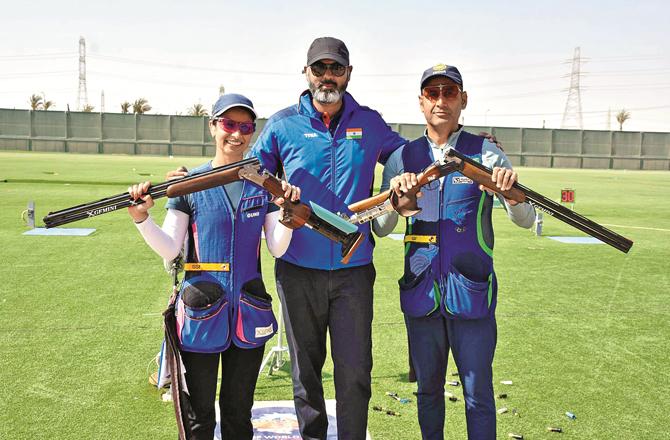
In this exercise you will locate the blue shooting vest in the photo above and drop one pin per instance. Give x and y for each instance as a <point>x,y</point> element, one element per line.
<point>449,244</point>
<point>229,305</point>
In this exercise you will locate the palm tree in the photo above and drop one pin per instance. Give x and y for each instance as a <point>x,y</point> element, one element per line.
<point>197,110</point>
<point>125,107</point>
<point>88,108</point>
<point>35,102</point>
<point>46,105</point>
<point>622,117</point>
<point>141,106</point>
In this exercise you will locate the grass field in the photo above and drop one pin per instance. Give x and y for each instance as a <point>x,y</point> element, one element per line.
<point>581,328</point>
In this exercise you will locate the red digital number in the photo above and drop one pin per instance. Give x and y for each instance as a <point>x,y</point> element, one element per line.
<point>567,196</point>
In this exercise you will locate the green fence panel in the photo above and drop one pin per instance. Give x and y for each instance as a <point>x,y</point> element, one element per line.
<point>14,122</point>
<point>153,127</point>
<point>411,131</point>
<point>84,125</point>
<point>188,129</point>
<point>118,126</point>
<point>49,124</point>
<point>656,145</point>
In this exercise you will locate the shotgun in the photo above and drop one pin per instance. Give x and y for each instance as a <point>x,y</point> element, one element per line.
<point>519,193</point>
<point>298,214</point>
<point>388,201</point>
<point>171,188</point>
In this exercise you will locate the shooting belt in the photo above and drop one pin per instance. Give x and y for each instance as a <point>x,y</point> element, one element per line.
<point>207,267</point>
<point>432,239</point>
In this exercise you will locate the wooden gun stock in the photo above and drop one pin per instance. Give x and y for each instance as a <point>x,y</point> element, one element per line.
<point>171,188</point>
<point>182,187</point>
<point>405,204</point>
<point>299,214</point>
<point>519,193</point>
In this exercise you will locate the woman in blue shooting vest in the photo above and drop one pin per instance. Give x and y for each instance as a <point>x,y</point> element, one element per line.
<point>222,311</point>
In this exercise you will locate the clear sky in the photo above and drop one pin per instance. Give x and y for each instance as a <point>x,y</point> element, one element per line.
<point>515,57</point>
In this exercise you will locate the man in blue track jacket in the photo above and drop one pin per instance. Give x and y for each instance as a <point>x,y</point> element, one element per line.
<point>329,145</point>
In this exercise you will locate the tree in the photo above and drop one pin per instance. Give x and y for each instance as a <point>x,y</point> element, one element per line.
<point>88,108</point>
<point>125,107</point>
<point>141,106</point>
<point>622,117</point>
<point>197,110</point>
<point>46,105</point>
<point>35,102</point>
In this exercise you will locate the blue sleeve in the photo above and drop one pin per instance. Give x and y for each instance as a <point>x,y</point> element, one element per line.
<point>180,204</point>
<point>266,149</point>
<point>392,168</point>
<point>390,141</point>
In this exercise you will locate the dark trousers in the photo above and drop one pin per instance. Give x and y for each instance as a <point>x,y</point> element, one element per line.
<point>338,301</point>
<point>472,343</point>
<point>239,371</point>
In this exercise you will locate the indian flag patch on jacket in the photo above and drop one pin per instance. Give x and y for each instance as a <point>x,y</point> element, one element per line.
<point>354,133</point>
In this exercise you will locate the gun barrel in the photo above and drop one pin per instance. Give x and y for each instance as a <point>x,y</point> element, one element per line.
<point>185,185</point>
<point>481,174</point>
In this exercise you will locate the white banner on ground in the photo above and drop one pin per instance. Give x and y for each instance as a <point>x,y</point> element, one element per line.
<point>276,420</point>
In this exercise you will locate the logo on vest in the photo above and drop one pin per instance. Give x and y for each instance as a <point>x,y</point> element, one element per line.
<point>461,180</point>
<point>264,331</point>
<point>310,135</point>
<point>253,214</point>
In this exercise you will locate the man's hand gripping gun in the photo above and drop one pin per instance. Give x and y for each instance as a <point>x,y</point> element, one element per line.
<point>298,214</point>
<point>388,201</point>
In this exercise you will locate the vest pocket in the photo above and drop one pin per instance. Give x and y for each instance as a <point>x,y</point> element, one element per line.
<point>419,297</point>
<point>204,329</point>
<point>464,298</point>
<point>256,322</point>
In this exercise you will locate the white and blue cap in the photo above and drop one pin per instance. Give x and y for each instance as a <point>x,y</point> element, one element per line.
<point>450,72</point>
<point>230,100</point>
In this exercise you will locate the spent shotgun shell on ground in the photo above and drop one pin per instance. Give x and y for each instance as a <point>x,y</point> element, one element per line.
<point>506,382</point>
<point>502,410</point>
<point>570,415</point>
<point>554,429</point>
<point>513,435</point>
<point>450,396</point>
<point>453,383</point>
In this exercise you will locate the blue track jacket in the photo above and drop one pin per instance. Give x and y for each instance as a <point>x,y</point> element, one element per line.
<point>332,171</point>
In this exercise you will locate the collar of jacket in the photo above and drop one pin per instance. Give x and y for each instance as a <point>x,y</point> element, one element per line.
<point>305,106</point>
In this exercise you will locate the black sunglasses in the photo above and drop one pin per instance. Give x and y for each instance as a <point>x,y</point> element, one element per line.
<point>319,68</point>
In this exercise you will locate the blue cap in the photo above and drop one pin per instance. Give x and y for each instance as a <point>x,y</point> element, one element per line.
<point>230,100</point>
<point>450,72</point>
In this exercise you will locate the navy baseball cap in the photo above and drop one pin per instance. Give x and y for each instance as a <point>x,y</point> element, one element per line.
<point>230,100</point>
<point>328,48</point>
<point>450,72</point>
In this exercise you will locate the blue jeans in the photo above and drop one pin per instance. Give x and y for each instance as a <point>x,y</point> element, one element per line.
<point>472,343</point>
<point>339,302</point>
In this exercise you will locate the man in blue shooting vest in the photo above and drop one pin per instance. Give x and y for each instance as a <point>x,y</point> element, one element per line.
<point>448,291</point>
<point>329,145</point>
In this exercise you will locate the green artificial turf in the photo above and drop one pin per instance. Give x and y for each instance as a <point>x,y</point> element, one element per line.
<point>581,328</point>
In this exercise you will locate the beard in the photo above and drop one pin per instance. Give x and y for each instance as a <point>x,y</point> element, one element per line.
<point>326,96</point>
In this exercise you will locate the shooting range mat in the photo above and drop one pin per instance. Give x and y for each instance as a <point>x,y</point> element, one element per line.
<point>78,232</point>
